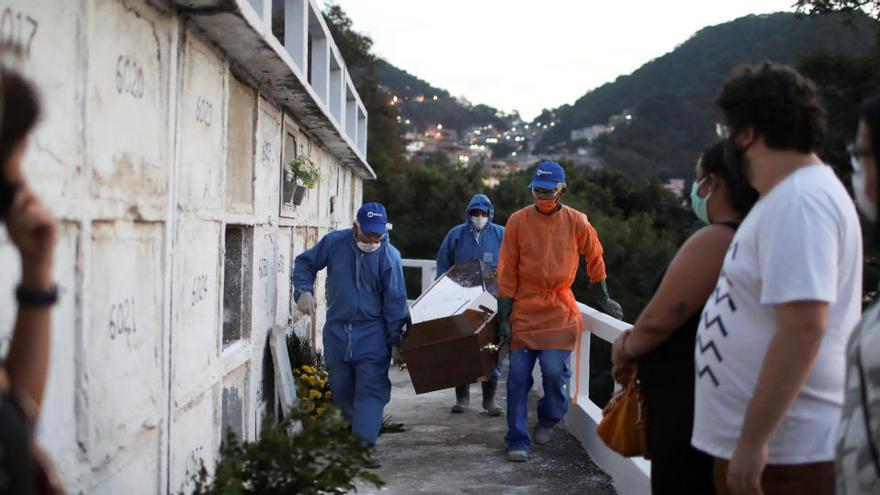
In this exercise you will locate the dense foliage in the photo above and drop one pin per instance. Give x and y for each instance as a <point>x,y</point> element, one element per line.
<point>323,457</point>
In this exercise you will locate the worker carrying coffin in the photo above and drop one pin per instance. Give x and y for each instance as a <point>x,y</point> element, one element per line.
<point>476,239</point>
<point>366,312</point>
<point>538,314</point>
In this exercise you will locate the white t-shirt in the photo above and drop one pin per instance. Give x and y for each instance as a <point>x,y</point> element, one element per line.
<point>801,242</point>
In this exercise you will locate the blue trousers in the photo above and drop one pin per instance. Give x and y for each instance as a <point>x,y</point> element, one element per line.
<point>358,358</point>
<point>555,372</point>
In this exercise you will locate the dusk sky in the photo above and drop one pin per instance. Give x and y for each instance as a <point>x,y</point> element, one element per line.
<point>529,55</point>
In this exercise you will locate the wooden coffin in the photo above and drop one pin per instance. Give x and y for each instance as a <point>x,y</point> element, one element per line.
<point>452,336</point>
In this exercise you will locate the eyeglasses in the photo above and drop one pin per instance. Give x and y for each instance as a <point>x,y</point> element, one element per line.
<point>546,193</point>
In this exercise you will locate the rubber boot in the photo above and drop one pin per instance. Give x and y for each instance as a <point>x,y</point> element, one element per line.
<point>489,389</point>
<point>462,399</point>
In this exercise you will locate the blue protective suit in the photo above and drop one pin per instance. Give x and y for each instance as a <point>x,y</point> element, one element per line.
<point>463,242</point>
<point>366,311</point>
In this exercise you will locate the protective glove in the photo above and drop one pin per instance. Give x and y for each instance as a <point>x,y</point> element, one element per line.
<point>599,295</point>
<point>505,304</point>
<point>306,303</point>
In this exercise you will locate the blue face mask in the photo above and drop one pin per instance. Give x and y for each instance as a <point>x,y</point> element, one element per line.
<point>698,204</point>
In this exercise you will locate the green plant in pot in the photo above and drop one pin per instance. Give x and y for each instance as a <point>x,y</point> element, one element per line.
<point>306,175</point>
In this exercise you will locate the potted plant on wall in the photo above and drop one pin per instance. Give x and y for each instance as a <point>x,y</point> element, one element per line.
<point>306,175</point>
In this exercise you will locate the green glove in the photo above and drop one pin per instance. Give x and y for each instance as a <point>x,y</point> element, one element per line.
<point>505,304</point>
<point>599,295</point>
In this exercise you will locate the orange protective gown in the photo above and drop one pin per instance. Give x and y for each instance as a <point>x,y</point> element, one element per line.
<point>537,265</point>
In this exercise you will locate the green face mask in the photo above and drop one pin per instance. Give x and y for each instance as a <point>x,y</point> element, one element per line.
<point>698,204</point>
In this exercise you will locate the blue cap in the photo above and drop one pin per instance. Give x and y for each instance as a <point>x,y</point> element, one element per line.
<point>547,175</point>
<point>372,218</point>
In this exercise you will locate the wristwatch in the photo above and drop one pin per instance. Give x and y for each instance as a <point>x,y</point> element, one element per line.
<point>36,297</point>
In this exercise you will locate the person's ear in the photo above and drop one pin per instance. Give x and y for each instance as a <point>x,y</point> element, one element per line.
<point>747,137</point>
<point>713,181</point>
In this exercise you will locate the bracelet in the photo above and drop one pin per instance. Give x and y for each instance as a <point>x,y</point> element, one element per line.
<point>36,297</point>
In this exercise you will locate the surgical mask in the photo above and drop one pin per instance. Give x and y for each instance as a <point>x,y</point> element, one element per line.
<point>864,203</point>
<point>368,247</point>
<point>479,222</point>
<point>698,204</point>
<point>546,204</point>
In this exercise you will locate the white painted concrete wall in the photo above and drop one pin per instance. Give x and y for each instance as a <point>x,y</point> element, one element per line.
<point>153,142</point>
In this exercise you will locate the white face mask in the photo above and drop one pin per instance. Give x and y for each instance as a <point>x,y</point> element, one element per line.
<point>866,206</point>
<point>479,222</point>
<point>368,247</point>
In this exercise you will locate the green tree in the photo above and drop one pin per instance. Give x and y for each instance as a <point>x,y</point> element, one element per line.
<point>814,7</point>
<point>843,82</point>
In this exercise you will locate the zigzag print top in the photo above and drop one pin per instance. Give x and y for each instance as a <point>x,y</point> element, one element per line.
<point>801,242</point>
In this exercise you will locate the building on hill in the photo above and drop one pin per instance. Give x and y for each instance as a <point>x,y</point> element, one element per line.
<point>589,134</point>
<point>167,127</point>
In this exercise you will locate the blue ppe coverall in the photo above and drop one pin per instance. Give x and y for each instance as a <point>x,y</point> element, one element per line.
<point>366,312</point>
<point>464,243</point>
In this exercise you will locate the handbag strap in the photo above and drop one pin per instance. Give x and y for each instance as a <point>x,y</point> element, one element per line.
<point>871,446</point>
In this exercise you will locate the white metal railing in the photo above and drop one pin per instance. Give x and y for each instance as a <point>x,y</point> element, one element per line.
<point>429,271</point>
<point>631,475</point>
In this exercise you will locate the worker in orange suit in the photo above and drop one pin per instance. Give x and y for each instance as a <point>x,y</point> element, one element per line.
<point>538,314</point>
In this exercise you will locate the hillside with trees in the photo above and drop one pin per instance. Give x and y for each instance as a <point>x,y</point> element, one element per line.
<point>671,97</point>
<point>419,105</point>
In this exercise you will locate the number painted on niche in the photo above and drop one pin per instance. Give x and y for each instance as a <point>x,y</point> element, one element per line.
<point>122,318</point>
<point>267,152</point>
<point>204,111</point>
<point>200,289</point>
<point>18,29</point>
<point>129,77</point>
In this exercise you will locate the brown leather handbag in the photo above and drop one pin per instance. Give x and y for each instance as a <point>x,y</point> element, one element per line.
<point>624,421</point>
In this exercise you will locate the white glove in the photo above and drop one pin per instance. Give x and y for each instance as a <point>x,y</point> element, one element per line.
<point>306,303</point>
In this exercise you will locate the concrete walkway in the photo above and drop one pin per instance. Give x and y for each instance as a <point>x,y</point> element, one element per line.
<point>444,453</point>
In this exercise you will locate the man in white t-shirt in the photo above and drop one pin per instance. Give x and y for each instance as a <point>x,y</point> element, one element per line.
<point>770,349</point>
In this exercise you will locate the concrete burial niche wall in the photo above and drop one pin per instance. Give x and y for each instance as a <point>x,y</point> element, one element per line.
<point>127,108</point>
<point>202,130</point>
<point>162,156</point>
<point>195,342</point>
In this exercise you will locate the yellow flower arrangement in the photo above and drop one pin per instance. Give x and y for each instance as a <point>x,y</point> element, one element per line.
<point>313,390</point>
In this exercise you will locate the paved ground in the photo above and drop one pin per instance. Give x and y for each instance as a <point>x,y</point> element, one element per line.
<point>444,453</point>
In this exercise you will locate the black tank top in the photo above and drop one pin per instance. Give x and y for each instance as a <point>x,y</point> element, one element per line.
<point>673,361</point>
